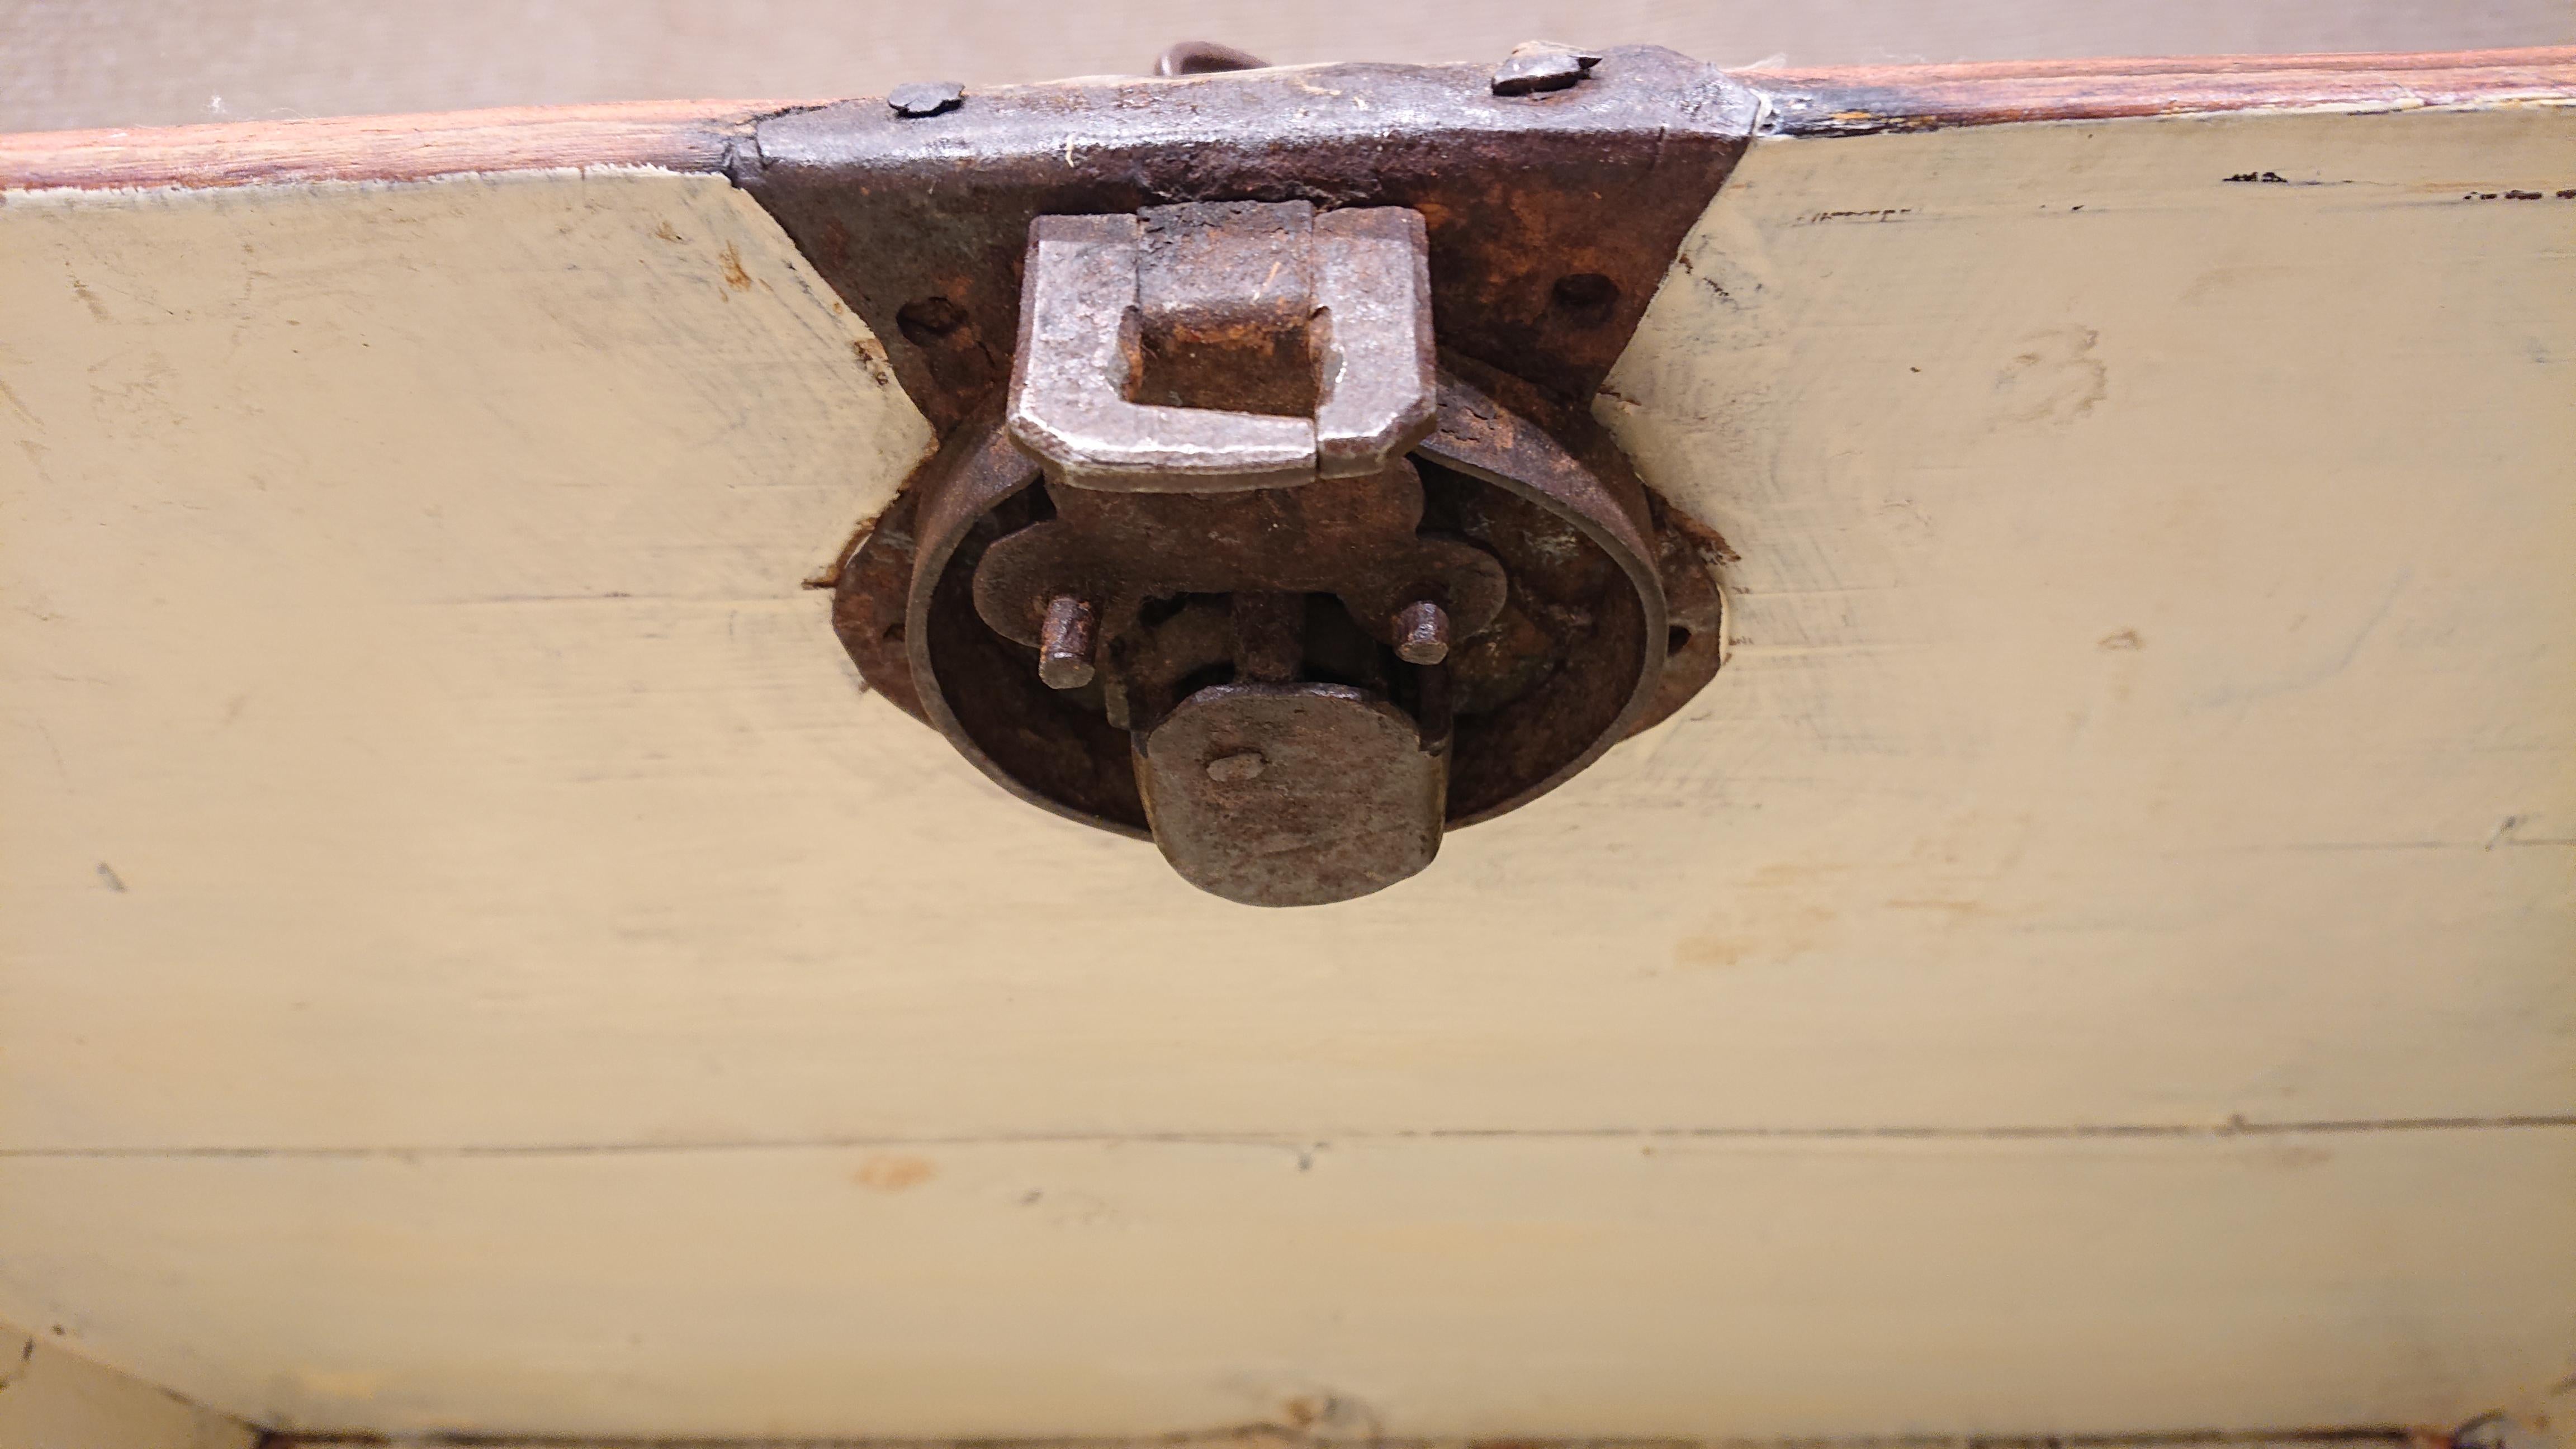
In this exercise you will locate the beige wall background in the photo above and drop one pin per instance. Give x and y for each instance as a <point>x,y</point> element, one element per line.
<point>78,63</point>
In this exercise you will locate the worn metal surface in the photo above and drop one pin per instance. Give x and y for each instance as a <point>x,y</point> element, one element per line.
<point>1225,305</point>
<point>1575,658</point>
<point>1081,354</point>
<point>925,98</point>
<point>1536,688</point>
<point>1422,633</point>
<point>1221,350</point>
<point>1352,538</point>
<point>1204,57</point>
<point>1542,65</point>
<point>982,691</point>
<point>1688,555</point>
<point>1550,217</point>
<point>1269,346</point>
<point>1292,794</point>
<point>1068,639</point>
<point>871,591</point>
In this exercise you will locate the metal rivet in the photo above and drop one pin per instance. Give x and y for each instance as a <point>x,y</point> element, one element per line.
<point>926,98</point>
<point>1542,65</point>
<point>1065,643</point>
<point>1422,633</point>
<point>1236,768</point>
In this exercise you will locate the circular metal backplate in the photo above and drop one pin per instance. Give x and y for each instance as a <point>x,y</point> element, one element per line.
<point>1589,649</point>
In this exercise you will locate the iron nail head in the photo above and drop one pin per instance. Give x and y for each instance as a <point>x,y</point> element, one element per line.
<point>926,98</point>
<point>1542,65</point>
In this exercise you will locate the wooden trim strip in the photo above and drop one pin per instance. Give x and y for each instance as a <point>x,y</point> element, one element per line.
<point>694,135</point>
<point>1862,100</point>
<point>677,135</point>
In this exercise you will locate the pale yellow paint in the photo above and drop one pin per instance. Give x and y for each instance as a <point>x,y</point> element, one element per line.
<point>1613,1286</point>
<point>50,1399</point>
<point>422,769</point>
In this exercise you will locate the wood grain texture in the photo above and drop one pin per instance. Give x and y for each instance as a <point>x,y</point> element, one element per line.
<point>1855,100</point>
<point>672,135</point>
<point>694,135</point>
<point>2095,961</point>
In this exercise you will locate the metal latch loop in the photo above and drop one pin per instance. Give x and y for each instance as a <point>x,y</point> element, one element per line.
<point>1344,296</point>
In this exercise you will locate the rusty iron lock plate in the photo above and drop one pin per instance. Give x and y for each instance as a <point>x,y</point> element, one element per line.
<point>1270,520</point>
<point>1552,215</point>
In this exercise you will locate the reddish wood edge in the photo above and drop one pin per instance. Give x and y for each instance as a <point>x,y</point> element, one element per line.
<point>676,135</point>
<point>1858,100</point>
<point>1862,99</point>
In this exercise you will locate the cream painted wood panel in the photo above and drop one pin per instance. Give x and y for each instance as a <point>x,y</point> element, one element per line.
<point>411,689</point>
<point>50,1399</point>
<point>470,955</point>
<point>1498,1287</point>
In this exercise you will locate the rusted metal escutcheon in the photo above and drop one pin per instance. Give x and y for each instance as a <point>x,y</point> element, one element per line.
<point>1571,660</point>
<point>1228,549</point>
